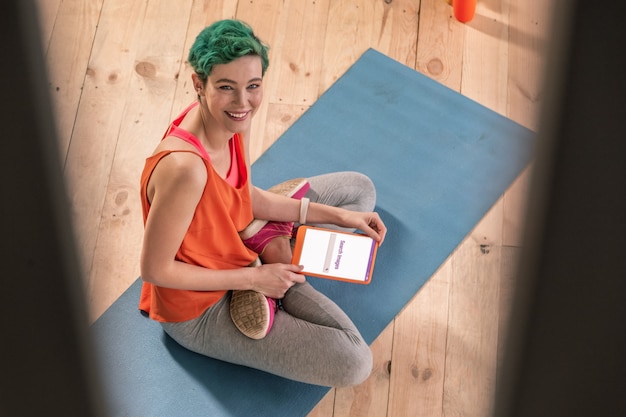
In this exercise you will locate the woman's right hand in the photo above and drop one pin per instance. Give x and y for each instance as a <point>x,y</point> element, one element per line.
<point>273,280</point>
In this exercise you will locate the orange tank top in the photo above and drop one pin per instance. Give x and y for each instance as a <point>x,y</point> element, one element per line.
<point>212,240</point>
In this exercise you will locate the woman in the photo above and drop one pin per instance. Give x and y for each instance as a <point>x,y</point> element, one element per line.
<point>202,278</point>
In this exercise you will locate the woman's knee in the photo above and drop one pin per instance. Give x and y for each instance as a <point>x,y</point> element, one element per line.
<point>357,367</point>
<point>348,189</point>
<point>367,194</point>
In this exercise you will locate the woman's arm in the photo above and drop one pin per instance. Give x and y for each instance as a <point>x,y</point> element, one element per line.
<point>270,206</point>
<point>175,189</point>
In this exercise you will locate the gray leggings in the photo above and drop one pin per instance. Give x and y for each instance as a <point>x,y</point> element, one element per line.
<point>312,340</point>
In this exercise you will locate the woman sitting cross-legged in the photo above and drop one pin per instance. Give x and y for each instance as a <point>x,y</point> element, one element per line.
<point>216,252</point>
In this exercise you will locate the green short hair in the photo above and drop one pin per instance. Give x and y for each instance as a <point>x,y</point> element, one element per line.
<point>222,42</point>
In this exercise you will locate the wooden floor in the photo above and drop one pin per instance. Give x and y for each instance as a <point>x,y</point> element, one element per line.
<point>118,75</point>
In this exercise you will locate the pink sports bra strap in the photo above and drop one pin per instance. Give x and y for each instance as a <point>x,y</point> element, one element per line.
<point>235,175</point>
<point>189,138</point>
<point>176,131</point>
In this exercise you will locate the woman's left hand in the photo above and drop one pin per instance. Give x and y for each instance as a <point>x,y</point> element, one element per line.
<point>368,222</point>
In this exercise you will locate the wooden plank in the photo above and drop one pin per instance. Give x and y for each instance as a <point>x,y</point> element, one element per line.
<point>529,30</point>
<point>297,53</point>
<point>356,25</point>
<point>472,343</point>
<point>418,360</point>
<point>68,54</point>
<point>98,121</point>
<point>348,35</point>
<point>369,398</point>
<point>146,115</point>
<point>485,67</point>
<point>398,31</point>
<point>440,44</point>
<point>47,11</point>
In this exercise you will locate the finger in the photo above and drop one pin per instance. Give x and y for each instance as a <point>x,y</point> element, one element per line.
<point>380,228</point>
<point>372,233</point>
<point>295,268</point>
<point>295,276</point>
<point>382,232</point>
<point>298,278</point>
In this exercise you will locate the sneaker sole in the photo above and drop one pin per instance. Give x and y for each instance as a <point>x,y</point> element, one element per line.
<point>250,313</point>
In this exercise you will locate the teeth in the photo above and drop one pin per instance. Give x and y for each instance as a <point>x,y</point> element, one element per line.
<point>236,115</point>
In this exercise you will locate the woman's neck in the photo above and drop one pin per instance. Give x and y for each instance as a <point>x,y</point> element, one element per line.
<point>200,123</point>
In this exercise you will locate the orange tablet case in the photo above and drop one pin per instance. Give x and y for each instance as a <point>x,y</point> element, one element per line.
<point>369,256</point>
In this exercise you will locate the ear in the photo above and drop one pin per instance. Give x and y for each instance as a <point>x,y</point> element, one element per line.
<point>198,86</point>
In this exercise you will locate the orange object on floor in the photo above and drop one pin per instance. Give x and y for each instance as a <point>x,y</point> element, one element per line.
<point>464,10</point>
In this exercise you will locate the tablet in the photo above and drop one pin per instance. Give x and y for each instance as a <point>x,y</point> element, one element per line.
<point>333,254</point>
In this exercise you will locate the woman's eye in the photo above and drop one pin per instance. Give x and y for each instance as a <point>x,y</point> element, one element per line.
<point>253,86</point>
<point>225,87</point>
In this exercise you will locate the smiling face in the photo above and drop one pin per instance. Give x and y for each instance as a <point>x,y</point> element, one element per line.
<point>232,94</point>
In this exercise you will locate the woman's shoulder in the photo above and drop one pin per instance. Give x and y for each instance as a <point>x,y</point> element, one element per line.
<point>180,165</point>
<point>174,144</point>
<point>176,172</point>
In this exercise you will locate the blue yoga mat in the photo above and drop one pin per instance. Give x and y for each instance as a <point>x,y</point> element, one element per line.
<point>439,162</point>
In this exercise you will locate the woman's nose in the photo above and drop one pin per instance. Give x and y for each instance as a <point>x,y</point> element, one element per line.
<point>240,97</point>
